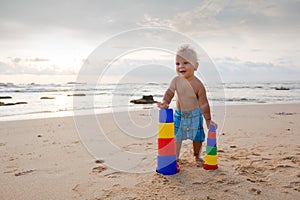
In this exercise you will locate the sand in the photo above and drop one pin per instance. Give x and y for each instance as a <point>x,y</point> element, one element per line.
<point>258,149</point>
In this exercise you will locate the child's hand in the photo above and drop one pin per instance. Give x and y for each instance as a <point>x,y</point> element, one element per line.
<point>212,123</point>
<point>162,105</point>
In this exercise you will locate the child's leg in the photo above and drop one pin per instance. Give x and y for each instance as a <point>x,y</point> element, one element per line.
<point>197,151</point>
<point>178,147</point>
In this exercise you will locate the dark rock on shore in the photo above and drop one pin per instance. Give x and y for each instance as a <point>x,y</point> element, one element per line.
<point>77,95</point>
<point>5,97</point>
<point>282,88</point>
<point>75,83</point>
<point>11,104</point>
<point>21,102</point>
<point>47,98</point>
<point>146,99</point>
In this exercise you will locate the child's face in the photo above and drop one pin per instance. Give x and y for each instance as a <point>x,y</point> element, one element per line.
<point>185,65</point>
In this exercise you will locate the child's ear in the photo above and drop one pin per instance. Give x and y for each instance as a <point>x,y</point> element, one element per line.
<point>196,66</point>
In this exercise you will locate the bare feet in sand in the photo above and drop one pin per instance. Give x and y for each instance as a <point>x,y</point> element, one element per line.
<point>199,161</point>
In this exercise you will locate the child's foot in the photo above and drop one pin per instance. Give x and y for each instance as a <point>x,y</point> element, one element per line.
<point>199,162</point>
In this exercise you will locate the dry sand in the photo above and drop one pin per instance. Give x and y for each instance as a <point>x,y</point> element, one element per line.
<point>258,148</point>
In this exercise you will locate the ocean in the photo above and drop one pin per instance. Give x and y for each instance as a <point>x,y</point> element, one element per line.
<point>57,100</point>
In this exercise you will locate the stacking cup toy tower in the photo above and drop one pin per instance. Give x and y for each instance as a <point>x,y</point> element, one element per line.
<point>211,157</point>
<point>166,159</point>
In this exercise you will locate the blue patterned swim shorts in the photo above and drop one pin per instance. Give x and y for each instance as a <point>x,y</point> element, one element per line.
<point>189,125</point>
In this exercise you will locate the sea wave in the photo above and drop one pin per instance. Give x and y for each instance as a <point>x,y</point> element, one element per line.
<point>112,96</point>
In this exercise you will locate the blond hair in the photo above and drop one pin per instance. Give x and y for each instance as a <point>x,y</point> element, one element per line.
<point>189,50</point>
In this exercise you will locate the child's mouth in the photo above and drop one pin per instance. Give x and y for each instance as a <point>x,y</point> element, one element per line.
<point>182,72</point>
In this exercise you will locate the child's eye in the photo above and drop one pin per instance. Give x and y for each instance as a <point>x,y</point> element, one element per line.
<point>186,63</point>
<point>177,64</point>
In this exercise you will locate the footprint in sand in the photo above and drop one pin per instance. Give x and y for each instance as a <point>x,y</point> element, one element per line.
<point>11,169</point>
<point>256,154</point>
<point>295,185</point>
<point>79,189</point>
<point>257,180</point>
<point>199,183</point>
<point>253,172</point>
<point>131,146</point>
<point>221,151</point>
<point>159,178</point>
<point>113,176</point>
<point>99,161</point>
<point>99,169</point>
<point>283,166</point>
<point>210,198</point>
<point>227,181</point>
<point>24,172</point>
<point>293,159</point>
<point>12,158</point>
<point>186,162</point>
<point>255,191</point>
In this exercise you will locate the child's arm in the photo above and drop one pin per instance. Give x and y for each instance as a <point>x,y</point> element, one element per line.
<point>205,108</point>
<point>166,100</point>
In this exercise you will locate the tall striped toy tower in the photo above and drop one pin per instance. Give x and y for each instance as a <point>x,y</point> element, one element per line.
<point>211,157</point>
<point>166,159</point>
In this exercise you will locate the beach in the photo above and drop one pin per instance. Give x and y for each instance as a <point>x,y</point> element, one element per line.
<point>258,158</point>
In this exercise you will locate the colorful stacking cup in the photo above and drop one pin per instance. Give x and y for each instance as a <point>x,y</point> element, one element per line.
<point>210,167</point>
<point>211,160</point>
<point>166,115</point>
<point>166,146</point>
<point>212,128</point>
<point>166,159</point>
<point>166,130</point>
<point>167,165</point>
<point>211,150</point>
<point>211,135</point>
<point>211,142</point>
<point>211,157</point>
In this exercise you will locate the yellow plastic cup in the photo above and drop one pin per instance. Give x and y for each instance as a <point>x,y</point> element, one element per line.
<point>211,160</point>
<point>166,130</point>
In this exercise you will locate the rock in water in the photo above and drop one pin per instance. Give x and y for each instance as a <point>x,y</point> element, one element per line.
<point>146,99</point>
<point>77,95</point>
<point>282,88</point>
<point>47,98</point>
<point>12,104</point>
<point>5,97</point>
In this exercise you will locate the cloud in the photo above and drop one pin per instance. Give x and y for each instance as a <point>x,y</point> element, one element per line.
<point>39,60</point>
<point>18,60</point>
<point>27,66</point>
<point>80,17</point>
<point>225,17</point>
<point>149,21</point>
<point>4,68</point>
<point>233,69</point>
<point>198,18</point>
<point>106,17</point>
<point>247,35</point>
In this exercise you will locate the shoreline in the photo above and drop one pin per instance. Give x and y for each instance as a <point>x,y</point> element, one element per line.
<point>108,111</point>
<point>258,150</point>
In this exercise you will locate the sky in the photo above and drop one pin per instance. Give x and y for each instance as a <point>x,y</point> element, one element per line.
<point>48,41</point>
